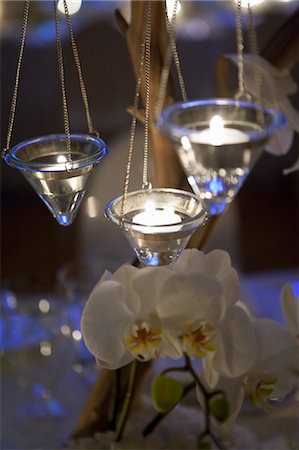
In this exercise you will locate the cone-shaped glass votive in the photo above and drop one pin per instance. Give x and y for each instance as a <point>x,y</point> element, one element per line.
<point>61,185</point>
<point>158,223</point>
<point>218,141</point>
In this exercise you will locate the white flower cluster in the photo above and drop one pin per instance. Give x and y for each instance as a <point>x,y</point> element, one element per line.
<point>193,307</point>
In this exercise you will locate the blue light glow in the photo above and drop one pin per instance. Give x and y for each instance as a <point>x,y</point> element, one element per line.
<point>215,186</point>
<point>217,208</point>
<point>153,260</point>
<point>295,287</point>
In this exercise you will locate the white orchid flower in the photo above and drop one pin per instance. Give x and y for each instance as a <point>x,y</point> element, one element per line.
<point>193,306</point>
<point>276,86</point>
<point>273,374</point>
<point>120,320</point>
<point>290,309</point>
<point>199,304</point>
<point>276,369</point>
<point>217,264</point>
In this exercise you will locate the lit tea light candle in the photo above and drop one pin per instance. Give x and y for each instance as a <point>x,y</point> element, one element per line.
<point>152,217</point>
<point>217,134</point>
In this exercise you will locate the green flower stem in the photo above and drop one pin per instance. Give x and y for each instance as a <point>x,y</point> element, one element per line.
<point>207,396</point>
<point>157,419</point>
<point>127,402</point>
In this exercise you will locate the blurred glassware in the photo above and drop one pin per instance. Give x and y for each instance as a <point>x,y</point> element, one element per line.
<point>33,347</point>
<point>75,281</point>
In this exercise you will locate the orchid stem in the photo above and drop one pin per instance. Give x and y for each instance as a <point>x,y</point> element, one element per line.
<point>207,396</point>
<point>127,402</point>
<point>157,419</point>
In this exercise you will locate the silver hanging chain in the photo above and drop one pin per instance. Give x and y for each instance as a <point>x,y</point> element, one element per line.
<point>171,52</point>
<point>17,79</point>
<point>135,108</point>
<point>241,93</point>
<point>145,182</point>
<point>91,129</point>
<point>254,50</point>
<point>66,120</point>
<point>171,32</point>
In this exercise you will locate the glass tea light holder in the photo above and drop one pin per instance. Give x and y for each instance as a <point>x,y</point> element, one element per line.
<point>158,223</point>
<point>60,184</point>
<point>218,142</point>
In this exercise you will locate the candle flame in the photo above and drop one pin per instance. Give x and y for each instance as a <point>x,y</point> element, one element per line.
<point>216,124</point>
<point>61,159</point>
<point>150,207</point>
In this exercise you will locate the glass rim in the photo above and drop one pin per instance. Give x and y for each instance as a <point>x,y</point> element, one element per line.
<point>176,132</point>
<point>111,214</point>
<point>100,150</point>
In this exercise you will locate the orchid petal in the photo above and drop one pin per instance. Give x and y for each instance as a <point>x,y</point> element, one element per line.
<point>291,113</point>
<point>290,309</point>
<point>276,345</point>
<point>235,342</point>
<point>292,169</point>
<point>170,346</point>
<point>281,142</point>
<point>210,374</point>
<point>219,262</point>
<point>125,276</point>
<point>190,261</point>
<point>104,321</point>
<point>189,298</point>
<point>107,275</point>
<point>148,284</point>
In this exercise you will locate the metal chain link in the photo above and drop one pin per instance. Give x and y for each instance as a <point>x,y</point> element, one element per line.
<point>63,91</point>
<point>171,32</point>
<point>145,182</point>
<point>17,79</point>
<point>91,129</point>
<point>241,93</point>
<point>134,114</point>
<point>254,49</point>
<point>171,52</point>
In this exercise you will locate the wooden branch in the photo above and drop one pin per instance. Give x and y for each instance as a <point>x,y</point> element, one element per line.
<point>168,171</point>
<point>283,49</point>
<point>96,414</point>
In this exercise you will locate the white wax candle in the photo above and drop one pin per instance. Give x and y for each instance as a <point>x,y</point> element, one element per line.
<point>152,217</point>
<point>217,134</point>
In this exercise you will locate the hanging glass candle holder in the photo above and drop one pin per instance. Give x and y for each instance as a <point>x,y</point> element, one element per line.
<point>58,166</point>
<point>59,183</point>
<point>158,223</point>
<point>218,142</point>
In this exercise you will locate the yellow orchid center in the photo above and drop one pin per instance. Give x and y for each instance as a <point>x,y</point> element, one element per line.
<point>198,342</point>
<point>262,392</point>
<point>143,340</point>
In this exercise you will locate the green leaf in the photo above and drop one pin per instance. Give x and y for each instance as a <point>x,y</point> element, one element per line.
<point>219,407</point>
<point>166,393</point>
